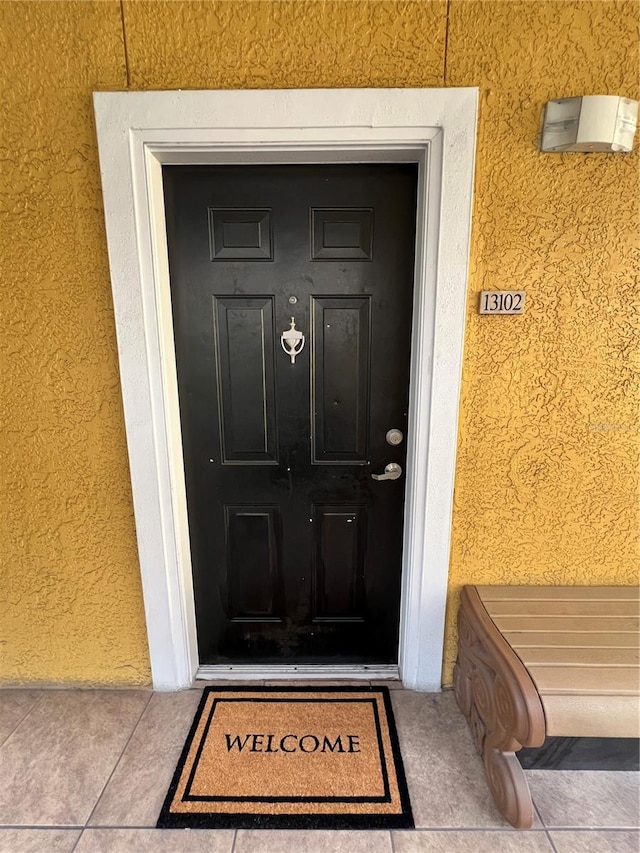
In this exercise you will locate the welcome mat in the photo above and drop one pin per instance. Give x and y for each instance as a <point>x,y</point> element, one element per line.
<point>290,758</point>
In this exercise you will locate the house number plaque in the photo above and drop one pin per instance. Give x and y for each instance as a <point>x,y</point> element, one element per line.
<point>502,301</point>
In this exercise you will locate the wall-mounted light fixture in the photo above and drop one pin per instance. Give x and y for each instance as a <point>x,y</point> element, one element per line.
<point>590,123</point>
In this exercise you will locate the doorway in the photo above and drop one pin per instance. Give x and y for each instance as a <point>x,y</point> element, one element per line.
<point>138,134</point>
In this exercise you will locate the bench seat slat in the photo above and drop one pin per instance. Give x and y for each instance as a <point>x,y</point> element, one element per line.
<point>591,716</point>
<point>563,607</point>
<point>573,640</point>
<point>562,655</point>
<point>557,593</point>
<point>585,679</point>
<point>569,623</point>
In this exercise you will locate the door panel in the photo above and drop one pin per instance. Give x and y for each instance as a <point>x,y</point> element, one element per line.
<point>253,563</point>
<point>339,565</point>
<point>341,235</point>
<point>296,550</point>
<point>340,334</point>
<point>240,235</point>
<point>245,362</point>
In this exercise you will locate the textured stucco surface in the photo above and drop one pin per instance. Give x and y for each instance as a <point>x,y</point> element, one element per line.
<point>546,485</point>
<point>291,44</point>
<point>547,472</point>
<point>70,592</point>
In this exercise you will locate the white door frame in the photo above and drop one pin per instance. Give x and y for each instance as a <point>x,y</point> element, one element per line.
<point>140,131</point>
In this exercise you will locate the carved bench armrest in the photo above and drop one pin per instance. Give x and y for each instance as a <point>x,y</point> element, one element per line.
<point>499,699</point>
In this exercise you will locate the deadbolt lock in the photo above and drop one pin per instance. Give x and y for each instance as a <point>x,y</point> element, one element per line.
<point>394,436</point>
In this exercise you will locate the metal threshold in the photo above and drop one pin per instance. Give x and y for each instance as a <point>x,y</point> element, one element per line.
<point>252,672</point>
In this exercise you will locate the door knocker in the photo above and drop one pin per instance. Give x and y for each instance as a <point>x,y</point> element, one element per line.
<point>292,341</point>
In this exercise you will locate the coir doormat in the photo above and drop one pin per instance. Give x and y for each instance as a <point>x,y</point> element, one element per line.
<point>290,758</point>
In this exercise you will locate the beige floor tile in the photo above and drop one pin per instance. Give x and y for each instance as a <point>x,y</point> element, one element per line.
<point>394,684</point>
<point>444,773</point>
<point>593,798</point>
<point>137,789</point>
<point>308,841</point>
<point>155,841</point>
<point>14,706</point>
<point>57,762</point>
<point>596,841</point>
<point>471,841</point>
<point>38,840</point>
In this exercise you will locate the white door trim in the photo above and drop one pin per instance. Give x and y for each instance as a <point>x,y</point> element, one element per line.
<point>137,133</point>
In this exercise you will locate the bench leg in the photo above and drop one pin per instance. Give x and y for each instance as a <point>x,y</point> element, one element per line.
<point>509,786</point>
<point>499,714</point>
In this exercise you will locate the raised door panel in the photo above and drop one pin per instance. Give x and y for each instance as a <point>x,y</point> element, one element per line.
<point>245,378</point>
<point>240,235</point>
<point>341,357</point>
<point>341,234</point>
<point>339,563</point>
<point>253,563</point>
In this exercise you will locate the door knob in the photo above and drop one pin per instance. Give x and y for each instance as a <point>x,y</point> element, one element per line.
<point>391,472</point>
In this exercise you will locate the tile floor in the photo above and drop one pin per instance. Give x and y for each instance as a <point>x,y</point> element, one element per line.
<point>87,771</point>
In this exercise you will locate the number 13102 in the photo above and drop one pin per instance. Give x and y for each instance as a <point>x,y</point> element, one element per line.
<point>502,302</point>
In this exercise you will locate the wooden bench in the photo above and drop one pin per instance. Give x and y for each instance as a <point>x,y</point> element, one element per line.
<point>538,661</point>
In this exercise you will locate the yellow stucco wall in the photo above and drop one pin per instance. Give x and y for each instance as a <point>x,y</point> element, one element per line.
<point>547,466</point>
<point>70,592</point>
<point>547,472</point>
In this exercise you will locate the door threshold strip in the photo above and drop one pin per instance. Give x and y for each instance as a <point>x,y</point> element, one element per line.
<point>250,672</point>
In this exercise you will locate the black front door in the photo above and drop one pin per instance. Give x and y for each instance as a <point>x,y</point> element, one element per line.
<point>296,548</point>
